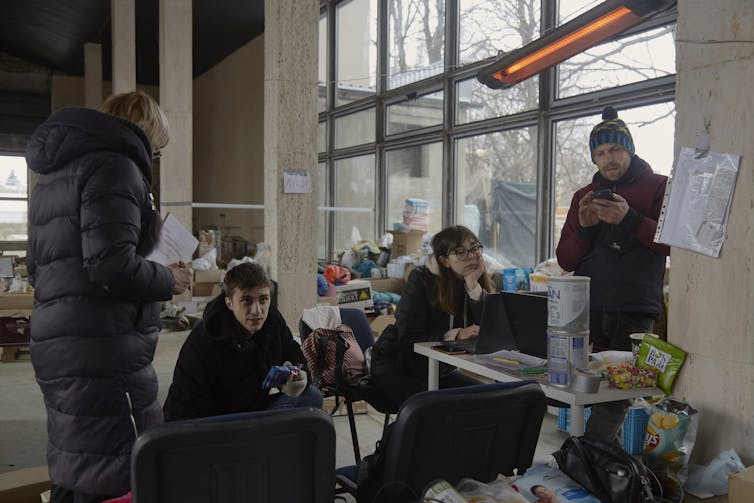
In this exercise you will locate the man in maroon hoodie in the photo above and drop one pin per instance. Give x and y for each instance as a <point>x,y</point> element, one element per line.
<point>609,236</point>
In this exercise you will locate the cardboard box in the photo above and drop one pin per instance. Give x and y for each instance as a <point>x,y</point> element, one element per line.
<point>209,276</point>
<point>207,283</point>
<point>24,486</point>
<point>741,486</point>
<point>379,323</point>
<point>16,301</point>
<point>394,285</point>
<point>206,289</point>
<point>356,293</point>
<point>405,243</point>
<point>330,301</point>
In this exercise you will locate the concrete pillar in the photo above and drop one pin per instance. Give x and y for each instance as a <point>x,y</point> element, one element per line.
<point>92,75</point>
<point>123,34</point>
<point>712,299</point>
<point>176,84</point>
<point>290,124</point>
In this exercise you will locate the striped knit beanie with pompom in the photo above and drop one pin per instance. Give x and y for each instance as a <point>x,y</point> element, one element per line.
<point>611,130</point>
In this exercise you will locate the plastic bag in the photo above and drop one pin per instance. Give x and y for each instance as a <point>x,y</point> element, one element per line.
<point>663,357</point>
<point>337,275</point>
<point>712,479</point>
<point>671,434</point>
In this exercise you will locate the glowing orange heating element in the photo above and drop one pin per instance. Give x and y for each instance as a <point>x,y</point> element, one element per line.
<point>579,40</point>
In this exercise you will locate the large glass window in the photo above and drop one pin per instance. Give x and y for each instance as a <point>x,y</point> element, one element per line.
<point>322,214</point>
<point>322,66</point>
<point>321,137</point>
<point>354,200</point>
<point>476,102</point>
<point>416,113</point>
<point>13,199</point>
<point>355,129</point>
<point>497,188</point>
<point>416,40</point>
<point>504,144</point>
<point>490,26</point>
<point>356,25</point>
<point>415,173</point>
<point>652,129</point>
<point>631,59</point>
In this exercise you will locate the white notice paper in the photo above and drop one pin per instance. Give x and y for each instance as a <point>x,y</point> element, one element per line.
<point>697,201</point>
<point>297,181</point>
<point>176,243</point>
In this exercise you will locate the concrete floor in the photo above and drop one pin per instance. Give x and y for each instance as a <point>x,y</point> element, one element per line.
<point>23,433</point>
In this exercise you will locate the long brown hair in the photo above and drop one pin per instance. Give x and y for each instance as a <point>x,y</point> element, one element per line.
<point>448,286</point>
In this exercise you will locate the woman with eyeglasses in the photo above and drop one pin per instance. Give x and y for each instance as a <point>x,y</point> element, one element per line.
<point>441,301</point>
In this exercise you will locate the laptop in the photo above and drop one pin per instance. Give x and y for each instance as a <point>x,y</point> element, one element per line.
<point>494,331</point>
<point>527,317</point>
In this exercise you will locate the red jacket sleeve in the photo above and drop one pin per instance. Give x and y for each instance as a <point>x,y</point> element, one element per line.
<point>572,247</point>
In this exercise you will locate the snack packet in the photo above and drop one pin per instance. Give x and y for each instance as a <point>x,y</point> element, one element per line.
<point>663,357</point>
<point>278,375</point>
<point>671,433</point>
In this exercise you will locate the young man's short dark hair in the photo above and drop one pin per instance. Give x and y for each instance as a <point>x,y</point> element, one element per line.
<point>245,277</point>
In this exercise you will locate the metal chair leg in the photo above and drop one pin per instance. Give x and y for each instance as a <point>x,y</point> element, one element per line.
<point>354,435</point>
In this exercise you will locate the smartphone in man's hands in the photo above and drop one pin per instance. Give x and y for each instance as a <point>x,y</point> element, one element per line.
<point>603,194</point>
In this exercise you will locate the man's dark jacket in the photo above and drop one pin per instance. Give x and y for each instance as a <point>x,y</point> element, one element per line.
<point>95,322</point>
<point>221,367</point>
<point>624,263</point>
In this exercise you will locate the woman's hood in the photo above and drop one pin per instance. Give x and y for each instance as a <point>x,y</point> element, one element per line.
<point>72,132</point>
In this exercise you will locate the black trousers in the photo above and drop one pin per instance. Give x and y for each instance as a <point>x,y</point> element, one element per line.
<point>610,330</point>
<point>400,387</point>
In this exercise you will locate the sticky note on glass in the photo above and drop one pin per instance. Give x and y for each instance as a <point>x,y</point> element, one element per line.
<point>297,181</point>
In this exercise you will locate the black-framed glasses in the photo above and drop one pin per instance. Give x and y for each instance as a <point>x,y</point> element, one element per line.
<point>157,154</point>
<point>463,253</point>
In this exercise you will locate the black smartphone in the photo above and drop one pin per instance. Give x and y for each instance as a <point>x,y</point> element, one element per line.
<point>450,350</point>
<point>603,194</point>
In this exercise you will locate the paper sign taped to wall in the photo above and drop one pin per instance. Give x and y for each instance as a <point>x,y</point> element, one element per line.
<point>297,181</point>
<point>697,201</point>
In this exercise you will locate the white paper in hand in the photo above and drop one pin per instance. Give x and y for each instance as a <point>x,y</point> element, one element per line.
<point>176,243</point>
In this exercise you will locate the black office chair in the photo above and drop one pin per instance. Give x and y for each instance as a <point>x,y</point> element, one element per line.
<point>363,390</point>
<point>267,456</point>
<point>473,431</point>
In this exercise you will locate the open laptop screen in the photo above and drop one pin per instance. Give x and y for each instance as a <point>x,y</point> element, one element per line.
<point>527,317</point>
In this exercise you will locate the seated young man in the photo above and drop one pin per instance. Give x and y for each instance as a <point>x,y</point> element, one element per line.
<point>224,361</point>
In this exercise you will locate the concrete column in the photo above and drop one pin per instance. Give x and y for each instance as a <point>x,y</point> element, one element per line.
<point>92,75</point>
<point>176,84</point>
<point>290,124</point>
<point>123,34</point>
<point>712,300</point>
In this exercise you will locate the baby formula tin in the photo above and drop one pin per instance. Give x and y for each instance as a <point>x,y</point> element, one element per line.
<point>566,352</point>
<point>568,303</point>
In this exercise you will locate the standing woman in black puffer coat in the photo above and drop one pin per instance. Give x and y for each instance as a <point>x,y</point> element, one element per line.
<point>95,321</point>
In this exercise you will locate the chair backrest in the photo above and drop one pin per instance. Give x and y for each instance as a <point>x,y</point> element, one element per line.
<point>473,431</point>
<point>354,318</point>
<point>268,456</point>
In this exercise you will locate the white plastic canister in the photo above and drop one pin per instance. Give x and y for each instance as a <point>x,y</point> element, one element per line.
<point>566,352</point>
<point>568,303</point>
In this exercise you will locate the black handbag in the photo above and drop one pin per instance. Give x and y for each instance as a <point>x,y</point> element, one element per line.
<point>605,470</point>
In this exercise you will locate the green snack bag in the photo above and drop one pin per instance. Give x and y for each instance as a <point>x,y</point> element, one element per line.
<point>663,357</point>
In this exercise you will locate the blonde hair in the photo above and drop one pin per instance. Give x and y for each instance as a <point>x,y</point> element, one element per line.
<point>141,109</point>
